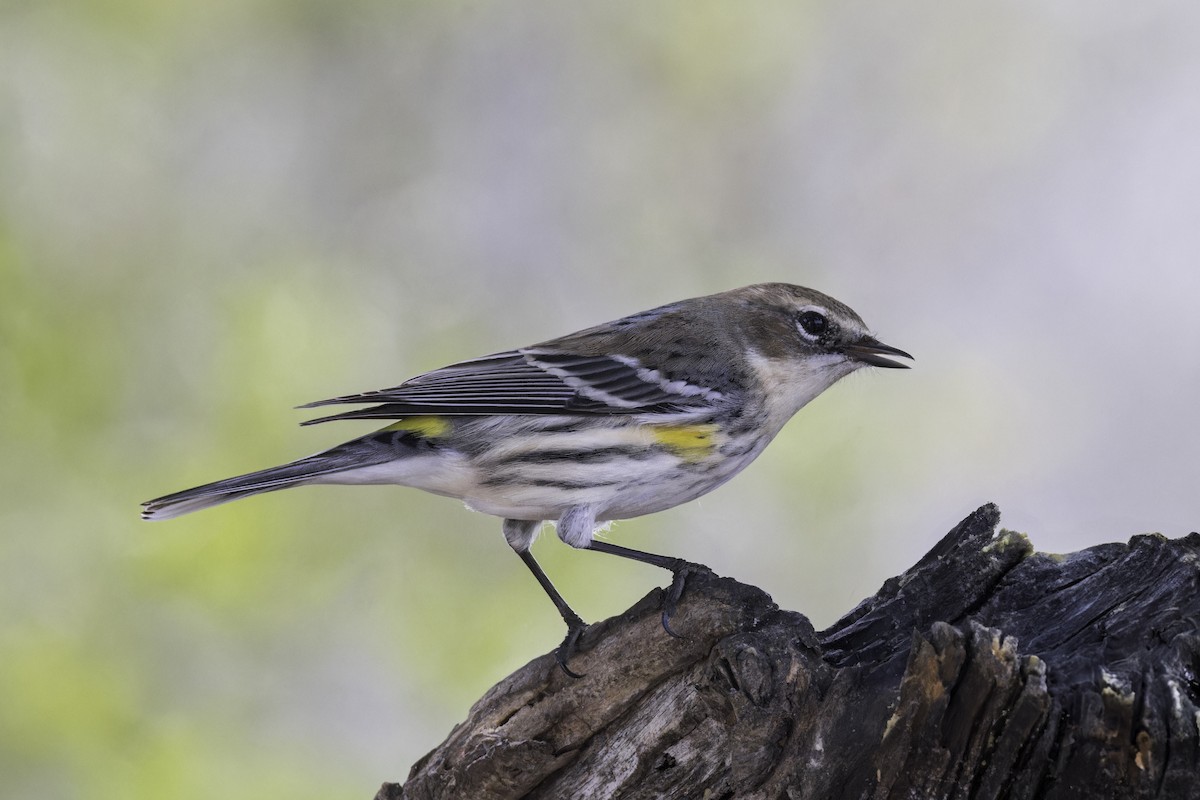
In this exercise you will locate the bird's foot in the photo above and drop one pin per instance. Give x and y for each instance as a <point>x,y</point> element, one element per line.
<point>681,572</point>
<point>575,629</point>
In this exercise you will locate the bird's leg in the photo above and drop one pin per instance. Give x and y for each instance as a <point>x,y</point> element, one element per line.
<point>520,534</point>
<point>680,570</point>
<point>575,625</point>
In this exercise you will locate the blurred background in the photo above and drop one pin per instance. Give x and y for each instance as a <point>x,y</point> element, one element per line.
<point>211,212</point>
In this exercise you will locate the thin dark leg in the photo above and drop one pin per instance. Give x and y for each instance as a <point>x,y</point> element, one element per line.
<point>680,570</point>
<point>575,625</point>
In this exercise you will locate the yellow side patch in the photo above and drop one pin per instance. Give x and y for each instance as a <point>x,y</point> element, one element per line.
<point>425,425</point>
<point>690,442</point>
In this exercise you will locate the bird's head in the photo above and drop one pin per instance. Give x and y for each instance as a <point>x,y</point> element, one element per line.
<point>801,341</point>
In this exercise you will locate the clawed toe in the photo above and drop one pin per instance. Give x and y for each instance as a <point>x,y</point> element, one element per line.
<point>681,573</point>
<point>562,655</point>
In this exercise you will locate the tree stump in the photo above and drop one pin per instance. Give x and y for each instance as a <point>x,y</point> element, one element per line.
<point>985,671</point>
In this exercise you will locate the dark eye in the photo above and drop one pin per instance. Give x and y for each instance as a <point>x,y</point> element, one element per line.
<point>813,323</point>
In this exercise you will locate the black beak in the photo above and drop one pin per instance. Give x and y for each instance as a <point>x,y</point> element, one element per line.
<point>870,350</point>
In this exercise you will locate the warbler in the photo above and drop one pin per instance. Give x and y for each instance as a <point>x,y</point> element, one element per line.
<point>616,421</point>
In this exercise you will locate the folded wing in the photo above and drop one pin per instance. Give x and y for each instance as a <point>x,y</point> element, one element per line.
<point>537,380</point>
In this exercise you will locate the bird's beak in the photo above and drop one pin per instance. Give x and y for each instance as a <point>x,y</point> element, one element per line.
<point>870,350</point>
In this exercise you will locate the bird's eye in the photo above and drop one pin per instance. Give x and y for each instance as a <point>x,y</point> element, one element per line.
<point>813,323</point>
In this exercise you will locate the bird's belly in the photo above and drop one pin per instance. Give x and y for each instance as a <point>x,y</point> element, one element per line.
<point>617,489</point>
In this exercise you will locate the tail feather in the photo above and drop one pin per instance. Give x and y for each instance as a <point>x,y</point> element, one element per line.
<point>349,462</point>
<point>267,480</point>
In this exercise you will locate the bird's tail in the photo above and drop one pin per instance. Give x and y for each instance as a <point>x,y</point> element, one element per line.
<point>213,494</point>
<point>320,468</point>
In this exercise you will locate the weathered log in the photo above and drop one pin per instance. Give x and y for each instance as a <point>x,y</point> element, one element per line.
<point>984,671</point>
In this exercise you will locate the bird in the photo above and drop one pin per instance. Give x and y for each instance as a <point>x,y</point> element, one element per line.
<point>615,421</point>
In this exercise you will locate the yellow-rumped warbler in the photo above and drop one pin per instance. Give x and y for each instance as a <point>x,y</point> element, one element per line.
<point>615,421</point>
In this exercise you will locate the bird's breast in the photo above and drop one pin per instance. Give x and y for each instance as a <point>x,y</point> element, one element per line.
<point>621,468</point>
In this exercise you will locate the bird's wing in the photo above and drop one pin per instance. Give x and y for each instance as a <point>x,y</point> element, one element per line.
<point>534,380</point>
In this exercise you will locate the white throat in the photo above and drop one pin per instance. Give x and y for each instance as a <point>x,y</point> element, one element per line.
<point>791,385</point>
